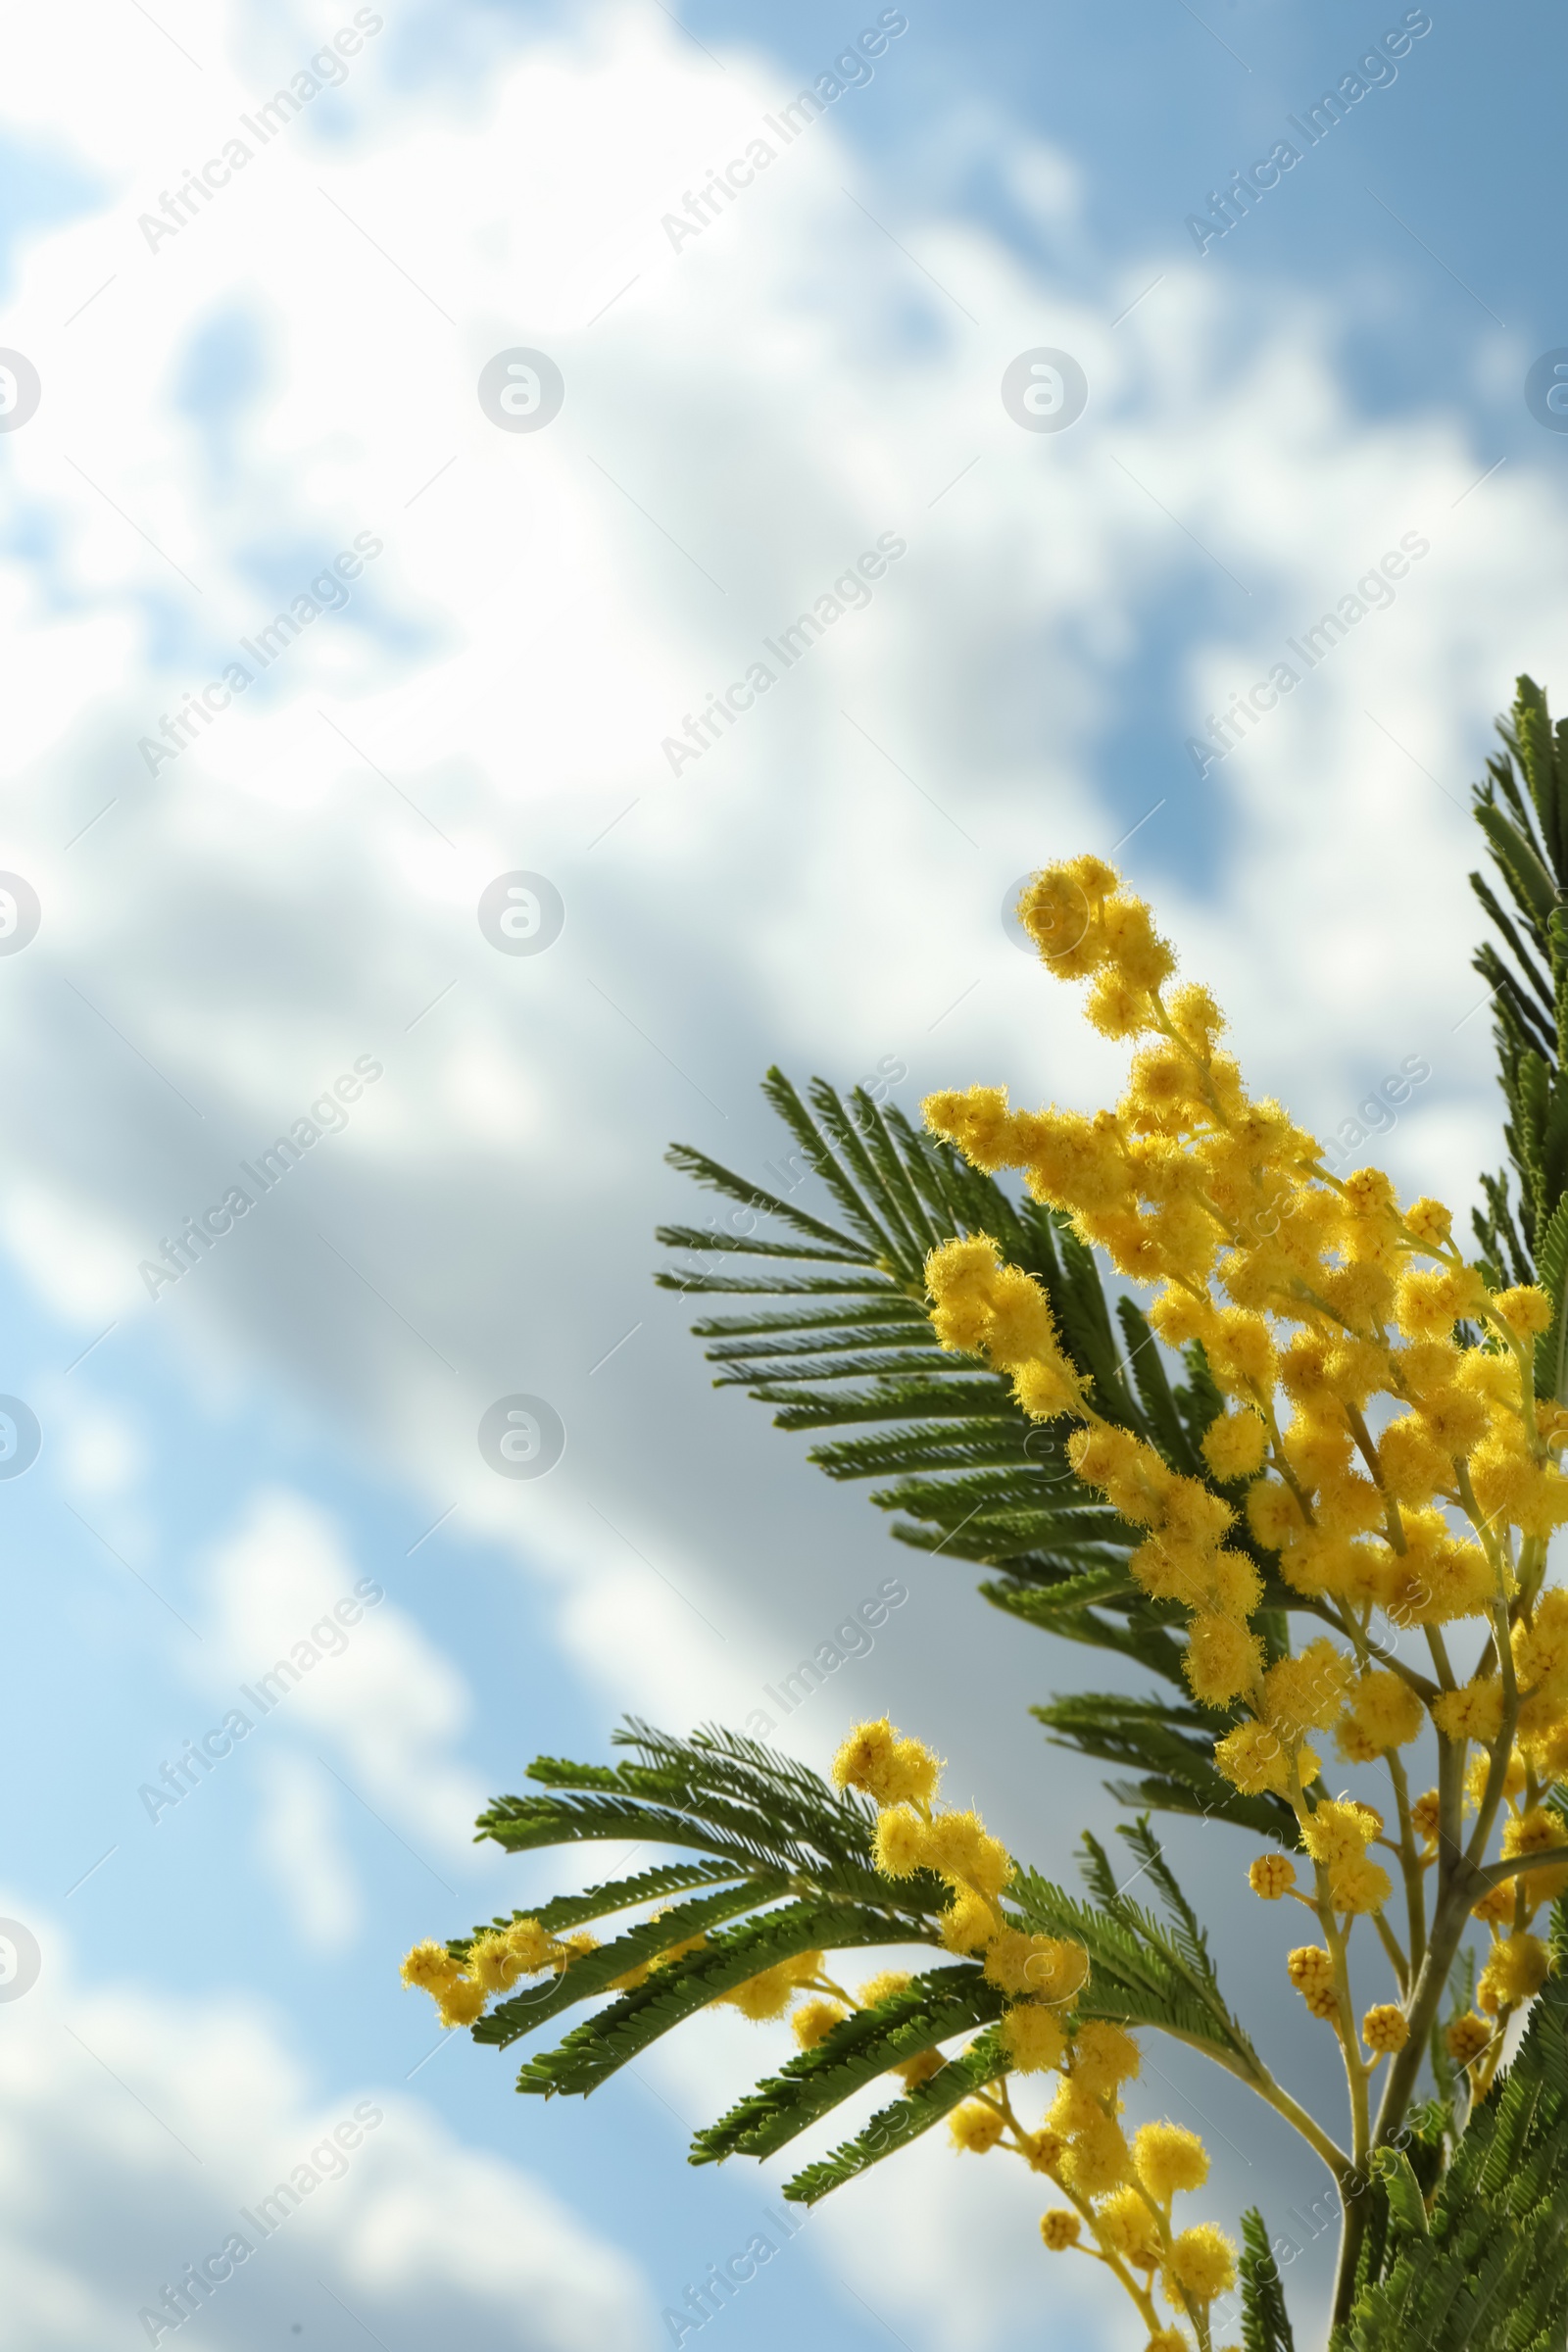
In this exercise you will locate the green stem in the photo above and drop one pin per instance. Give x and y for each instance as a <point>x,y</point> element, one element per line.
<point>1410,1862</point>
<point>1458,1884</point>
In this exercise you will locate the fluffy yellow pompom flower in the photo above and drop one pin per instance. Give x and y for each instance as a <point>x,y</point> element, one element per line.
<point>977,1119</point>
<point>1359,1888</point>
<point>768,1994</point>
<point>1167,2158</point>
<point>1234,1445</point>
<point>892,1770</point>
<point>1515,1972</point>
<point>1339,1832</point>
<point>1202,2261</point>
<point>459,2001</point>
<point>1385,2028</point>
<point>1271,1876</point>
<point>1097,2157</point>
<point>913,2072</point>
<point>1075,2108</point>
<point>974,2129</point>
<point>1051,1967</point>
<point>1060,2228</point>
<point>815,2021</point>
<point>968,1921</point>
<point>1127,2227</point>
<point>1222,1660</point>
<point>430,1967</point>
<point>1059,908</point>
<point>1045,1389</point>
<point>1526,1310</point>
<point>1479,1772</point>
<point>1472,1712</point>
<point>883,1985</point>
<point>1413,1467</point>
<point>1535,1831</point>
<point>982,1307</point>
<point>1384,1711</point>
<point>1429,1221</point>
<point>1057,1968</point>
<point>1033,2038</point>
<point>1008,1960</point>
<point>536,1948</point>
<point>1104,2057</point>
<point>899,1848</point>
<point>1254,1759</point>
<point>1429,1301</point>
<point>1497,1905</point>
<point>1308,1693</point>
<point>958,1847</point>
<point>495,1960</point>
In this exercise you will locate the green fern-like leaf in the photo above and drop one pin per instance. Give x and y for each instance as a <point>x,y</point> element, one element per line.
<point>1522,811</point>
<point>848,1356</point>
<point>1173,1747</point>
<point>962,1470</point>
<point>604,2043</point>
<point>870,2041</point>
<point>1486,2271</point>
<point>896,2126</point>
<point>1265,2321</point>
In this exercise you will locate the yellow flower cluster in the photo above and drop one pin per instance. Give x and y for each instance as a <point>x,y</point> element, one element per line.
<point>461,1989</point>
<point>1122,2191</point>
<point>1312,1297</point>
<point>497,1958</point>
<point>768,1994</point>
<point>1381,1435</point>
<point>1132,2226</point>
<point>1042,1972</point>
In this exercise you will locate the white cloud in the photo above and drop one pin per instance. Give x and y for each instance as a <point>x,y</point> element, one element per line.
<point>139,2131</point>
<point>299,1840</point>
<point>104,1454</point>
<point>355,1670</point>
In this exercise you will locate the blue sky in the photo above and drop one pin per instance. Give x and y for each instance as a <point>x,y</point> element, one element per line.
<point>226,931</point>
